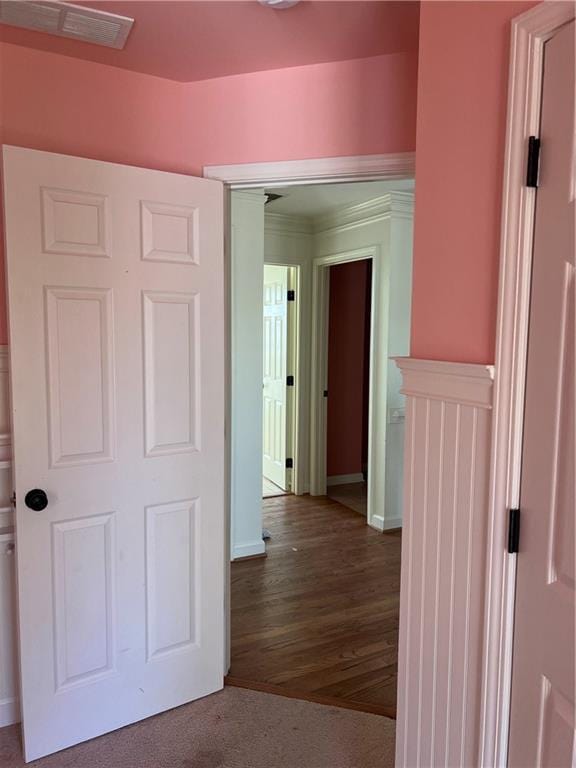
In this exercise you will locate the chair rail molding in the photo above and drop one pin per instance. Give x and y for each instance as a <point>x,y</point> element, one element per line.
<point>529,33</point>
<point>398,165</point>
<point>446,484</point>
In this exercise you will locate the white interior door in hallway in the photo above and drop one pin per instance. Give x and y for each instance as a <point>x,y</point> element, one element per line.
<point>542,724</point>
<point>275,371</point>
<point>116,315</point>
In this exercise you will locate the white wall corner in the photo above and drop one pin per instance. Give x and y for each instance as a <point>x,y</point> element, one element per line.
<point>246,332</point>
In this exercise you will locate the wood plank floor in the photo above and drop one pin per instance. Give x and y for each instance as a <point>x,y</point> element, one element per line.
<point>318,617</point>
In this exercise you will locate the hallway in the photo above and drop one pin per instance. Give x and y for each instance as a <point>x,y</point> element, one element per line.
<point>318,617</point>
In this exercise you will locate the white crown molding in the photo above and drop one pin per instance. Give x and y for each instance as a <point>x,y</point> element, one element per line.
<point>399,165</point>
<point>529,33</point>
<point>464,383</point>
<point>397,204</point>
<point>400,204</point>
<point>287,224</point>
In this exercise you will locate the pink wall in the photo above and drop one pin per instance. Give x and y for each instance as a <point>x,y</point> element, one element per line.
<point>356,107</point>
<point>348,352</point>
<point>60,104</point>
<point>75,107</point>
<point>462,90</point>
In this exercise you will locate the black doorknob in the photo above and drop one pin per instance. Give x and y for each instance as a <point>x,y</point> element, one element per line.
<point>36,499</point>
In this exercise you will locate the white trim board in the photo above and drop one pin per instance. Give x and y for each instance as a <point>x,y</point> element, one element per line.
<point>399,165</point>
<point>530,31</point>
<point>358,477</point>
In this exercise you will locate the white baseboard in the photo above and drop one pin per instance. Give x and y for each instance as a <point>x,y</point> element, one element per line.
<point>345,479</point>
<point>9,712</point>
<point>377,521</point>
<point>248,550</point>
<point>385,524</point>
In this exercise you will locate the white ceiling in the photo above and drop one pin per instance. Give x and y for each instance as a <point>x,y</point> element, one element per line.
<point>317,199</point>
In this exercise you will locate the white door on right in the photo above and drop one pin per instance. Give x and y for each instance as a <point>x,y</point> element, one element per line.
<point>275,366</point>
<point>542,727</point>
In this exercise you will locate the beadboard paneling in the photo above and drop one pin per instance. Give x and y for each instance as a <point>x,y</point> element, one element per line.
<point>448,421</point>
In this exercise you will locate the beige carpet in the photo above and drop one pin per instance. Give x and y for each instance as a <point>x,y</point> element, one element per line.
<point>235,728</point>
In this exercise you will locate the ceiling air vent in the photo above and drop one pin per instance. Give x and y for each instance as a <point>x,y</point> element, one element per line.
<point>67,20</point>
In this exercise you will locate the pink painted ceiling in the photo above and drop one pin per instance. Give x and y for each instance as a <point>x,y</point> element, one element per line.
<point>198,40</point>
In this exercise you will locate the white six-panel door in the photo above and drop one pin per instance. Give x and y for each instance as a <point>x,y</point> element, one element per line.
<point>116,315</point>
<point>275,362</point>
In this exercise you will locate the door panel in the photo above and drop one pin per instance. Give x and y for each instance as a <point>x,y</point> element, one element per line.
<point>116,315</point>
<point>80,353</point>
<point>275,366</point>
<point>543,686</point>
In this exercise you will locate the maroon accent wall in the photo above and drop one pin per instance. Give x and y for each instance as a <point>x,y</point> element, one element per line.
<point>348,367</point>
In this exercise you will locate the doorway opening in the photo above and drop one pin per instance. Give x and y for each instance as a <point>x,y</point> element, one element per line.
<point>330,268</point>
<point>278,379</point>
<point>348,383</point>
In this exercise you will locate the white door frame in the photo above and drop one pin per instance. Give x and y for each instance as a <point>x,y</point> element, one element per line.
<point>530,31</point>
<point>377,419</point>
<point>329,170</point>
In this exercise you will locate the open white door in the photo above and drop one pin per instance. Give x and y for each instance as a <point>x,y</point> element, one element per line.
<point>275,362</point>
<point>116,313</point>
<point>543,715</point>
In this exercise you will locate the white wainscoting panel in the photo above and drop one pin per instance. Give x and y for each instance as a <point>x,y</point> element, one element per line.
<point>9,707</point>
<point>447,452</point>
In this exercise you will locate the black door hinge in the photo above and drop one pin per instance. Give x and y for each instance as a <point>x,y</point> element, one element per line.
<point>289,381</point>
<point>291,295</point>
<point>533,162</point>
<point>514,531</point>
<point>289,464</point>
